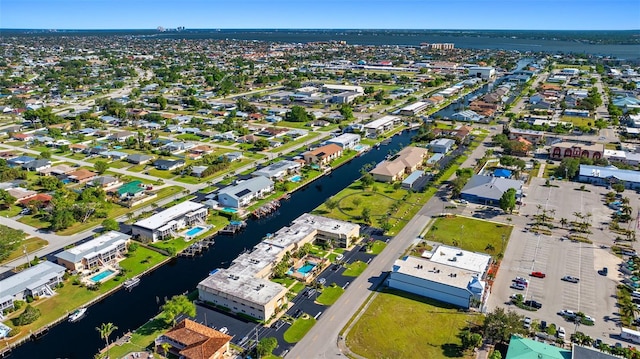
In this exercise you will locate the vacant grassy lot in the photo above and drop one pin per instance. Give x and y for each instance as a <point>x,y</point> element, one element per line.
<point>31,244</point>
<point>400,325</point>
<point>298,329</point>
<point>470,234</point>
<point>330,295</point>
<point>355,269</point>
<point>578,121</point>
<point>377,247</point>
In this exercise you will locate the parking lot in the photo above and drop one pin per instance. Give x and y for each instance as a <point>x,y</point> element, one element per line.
<point>594,294</point>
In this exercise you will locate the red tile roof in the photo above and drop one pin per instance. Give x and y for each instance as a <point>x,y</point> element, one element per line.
<point>201,342</point>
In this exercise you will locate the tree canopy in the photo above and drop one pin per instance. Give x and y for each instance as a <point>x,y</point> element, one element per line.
<point>298,114</point>
<point>176,306</point>
<point>508,200</point>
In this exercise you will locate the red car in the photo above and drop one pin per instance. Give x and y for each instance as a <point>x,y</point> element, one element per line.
<point>538,274</point>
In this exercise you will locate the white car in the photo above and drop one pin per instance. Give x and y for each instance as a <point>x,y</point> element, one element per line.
<point>527,323</point>
<point>567,313</point>
<point>518,286</point>
<point>561,333</point>
<point>524,281</point>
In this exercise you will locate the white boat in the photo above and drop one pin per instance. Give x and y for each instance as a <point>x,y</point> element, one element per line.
<point>132,282</point>
<point>77,315</point>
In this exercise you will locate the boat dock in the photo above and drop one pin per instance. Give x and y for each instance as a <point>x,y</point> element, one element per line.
<point>266,209</point>
<point>197,248</point>
<point>233,227</point>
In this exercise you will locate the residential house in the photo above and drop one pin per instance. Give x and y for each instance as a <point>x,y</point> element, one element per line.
<point>138,159</point>
<point>441,145</point>
<point>192,340</point>
<point>114,155</point>
<point>129,190</point>
<point>21,194</point>
<point>19,161</point>
<point>278,170</point>
<point>346,140</point>
<point>243,193</point>
<point>37,165</point>
<point>197,171</point>
<point>120,136</point>
<point>37,281</point>
<point>77,147</point>
<point>42,198</point>
<point>57,170</point>
<point>322,156</point>
<point>101,251</point>
<point>467,116</point>
<point>105,182</point>
<point>81,175</point>
<point>168,165</point>
<point>167,223</point>
<point>381,125</point>
<point>177,147</point>
<point>406,161</point>
<point>25,137</point>
<point>532,136</point>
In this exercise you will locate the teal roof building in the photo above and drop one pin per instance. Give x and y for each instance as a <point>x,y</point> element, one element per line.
<point>522,348</point>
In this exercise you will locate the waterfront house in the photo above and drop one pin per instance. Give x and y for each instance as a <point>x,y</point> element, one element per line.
<point>322,156</point>
<point>441,145</point>
<point>381,125</point>
<point>165,224</point>
<point>406,161</point>
<point>192,340</point>
<point>37,281</point>
<point>244,192</point>
<point>346,140</point>
<point>101,251</point>
<point>278,170</point>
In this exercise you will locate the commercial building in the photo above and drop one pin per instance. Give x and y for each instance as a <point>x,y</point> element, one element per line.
<point>414,108</point>
<point>323,155</point>
<point>166,223</point>
<point>244,192</point>
<point>192,340</point>
<point>380,126</point>
<point>489,189</point>
<point>346,140</point>
<point>607,176</point>
<point>245,287</point>
<point>36,281</point>
<point>441,145</point>
<point>342,88</point>
<point>529,135</point>
<point>278,170</point>
<point>576,150</point>
<point>345,97</point>
<point>446,274</point>
<point>406,161</point>
<point>100,251</point>
<point>524,348</point>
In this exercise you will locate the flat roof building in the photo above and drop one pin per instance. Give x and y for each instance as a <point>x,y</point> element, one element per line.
<point>100,251</point>
<point>381,125</point>
<point>414,109</point>
<point>607,176</point>
<point>166,223</point>
<point>342,88</point>
<point>447,274</point>
<point>245,287</point>
<point>346,140</point>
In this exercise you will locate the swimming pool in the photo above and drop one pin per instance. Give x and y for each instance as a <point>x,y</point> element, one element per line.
<point>359,147</point>
<point>296,178</point>
<point>229,210</point>
<point>305,269</point>
<point>66,181</point>
<point>100,276</point>
<point>4,330</point>
<point>194,231</point>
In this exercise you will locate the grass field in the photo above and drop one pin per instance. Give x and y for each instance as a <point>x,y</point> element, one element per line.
<point>142,338</point>
<point>31,244</point>
<point>161,174</point>
<point>470,234</point>
<point>355,269</point>
<point>298,329</point>
<point>400,325</point>
<point>578,121</point>
<point>378,246</point>
<point>330,295</point>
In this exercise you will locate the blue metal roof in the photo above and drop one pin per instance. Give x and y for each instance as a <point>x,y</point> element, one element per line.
<point>610,171</point>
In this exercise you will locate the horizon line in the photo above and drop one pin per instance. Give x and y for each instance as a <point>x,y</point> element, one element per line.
<point>302,28</point>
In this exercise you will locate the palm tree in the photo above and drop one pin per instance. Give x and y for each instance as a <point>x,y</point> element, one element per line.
<point>577,215</point>
<point>165,348</point>
<point>105,331</point>
<point>563,222</point>
<point>605,348</point>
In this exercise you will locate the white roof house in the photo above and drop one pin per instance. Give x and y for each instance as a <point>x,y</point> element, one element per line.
<point>242,193</point>
<point>277,170</point>
<point>341,88</point>
<point>160,219</point>
<point>346,140</point>
<point>34,281</point>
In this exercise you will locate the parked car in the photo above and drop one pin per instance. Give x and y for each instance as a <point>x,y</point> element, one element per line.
<point>571,279</point>
<point>521,280</point>
<point>567,313</point>
<point>604,271</point>
<point>518,286</point>
<point>561,333</point>
<point>25,211</point>
<point>538,274</point>
<point>543,324</point>
<point>527,323</point>
<point>597,343</point>
<point>533,304</point>
<point>322,281</point>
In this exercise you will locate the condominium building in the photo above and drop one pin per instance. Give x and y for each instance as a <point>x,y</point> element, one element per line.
<point>100,251</point>
<point>166,223</point>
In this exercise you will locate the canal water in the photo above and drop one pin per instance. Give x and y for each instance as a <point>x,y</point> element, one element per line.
<point>129,310</point>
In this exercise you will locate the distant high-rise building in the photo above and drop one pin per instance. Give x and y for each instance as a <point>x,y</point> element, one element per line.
<point>438,46</point>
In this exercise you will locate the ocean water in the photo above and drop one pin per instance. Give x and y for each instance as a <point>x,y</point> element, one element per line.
<point>618,44</point>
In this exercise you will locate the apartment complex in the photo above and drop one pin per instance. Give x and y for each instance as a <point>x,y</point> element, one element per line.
<point>166,223</point>
<point>100,251</point>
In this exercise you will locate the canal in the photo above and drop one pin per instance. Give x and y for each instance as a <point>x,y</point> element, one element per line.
<point>129,310</point>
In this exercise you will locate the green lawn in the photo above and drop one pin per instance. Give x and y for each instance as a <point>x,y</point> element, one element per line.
<point>330,295</point>
<point>287,281</point>
<point>161,174</point>
<point>470,234</point>
<point>401,325</point>
<point>378,246</point>
<point>189,137</point>
<point>578,121</point>
<point>142,338</point>
<point>70,296</point>
<point>297,331</point>
<point>32,244</point>
<point>297,287</point>
<point>12,211</point>
<point>355,269</point>
<point>119,164</point>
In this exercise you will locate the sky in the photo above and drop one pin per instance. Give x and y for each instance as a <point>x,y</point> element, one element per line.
<point>322,14</point>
